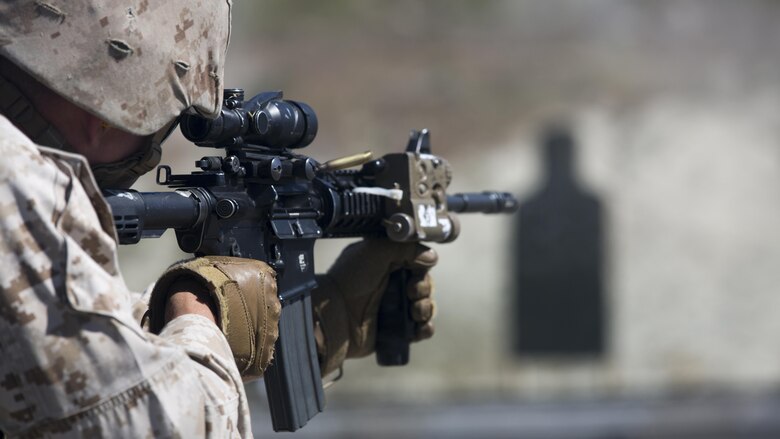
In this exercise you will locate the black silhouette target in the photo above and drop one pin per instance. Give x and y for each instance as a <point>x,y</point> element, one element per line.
<point>559,304</point>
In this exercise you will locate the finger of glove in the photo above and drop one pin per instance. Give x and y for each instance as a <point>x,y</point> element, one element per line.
<point>422,260</point>
<point>419,287</point>
<point>423,331</point>
<point>423,310</point>
<point>367,263</point>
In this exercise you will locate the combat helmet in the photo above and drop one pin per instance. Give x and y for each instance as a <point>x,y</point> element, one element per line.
<point>135,64</point>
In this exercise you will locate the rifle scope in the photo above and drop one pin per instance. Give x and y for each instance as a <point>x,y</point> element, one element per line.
<point>265,120</point>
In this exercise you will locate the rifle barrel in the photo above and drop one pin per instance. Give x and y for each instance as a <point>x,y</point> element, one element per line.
<point>482,202</point>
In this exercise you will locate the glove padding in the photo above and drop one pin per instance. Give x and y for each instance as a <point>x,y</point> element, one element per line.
<point>244,291</point>
<point>346,302</point>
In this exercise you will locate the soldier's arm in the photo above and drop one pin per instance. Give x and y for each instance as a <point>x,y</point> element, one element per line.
<point>75,362</point>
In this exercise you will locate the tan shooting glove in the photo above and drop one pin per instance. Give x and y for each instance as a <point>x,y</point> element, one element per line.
<point>244,291</point>
<point>348,297</point>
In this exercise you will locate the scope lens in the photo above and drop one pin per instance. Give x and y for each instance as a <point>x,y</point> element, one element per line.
<point>195,128</point>
<point>284,124</point>
<point>262,124</point>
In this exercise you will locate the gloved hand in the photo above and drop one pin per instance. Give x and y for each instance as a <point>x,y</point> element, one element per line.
<point>247,306</point>
<point>348,297</point>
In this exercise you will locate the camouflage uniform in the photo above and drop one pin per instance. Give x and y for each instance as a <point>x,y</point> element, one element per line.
<point>75,361</point>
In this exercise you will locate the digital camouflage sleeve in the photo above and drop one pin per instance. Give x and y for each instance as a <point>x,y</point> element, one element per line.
<point>75,363</point>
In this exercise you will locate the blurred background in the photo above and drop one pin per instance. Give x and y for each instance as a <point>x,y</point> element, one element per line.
<point>636,294</point>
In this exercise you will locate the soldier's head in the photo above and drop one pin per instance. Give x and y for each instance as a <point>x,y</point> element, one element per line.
<point>132,65</point>
<point>558,149</point>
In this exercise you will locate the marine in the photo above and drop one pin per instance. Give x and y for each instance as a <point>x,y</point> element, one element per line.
<point>89,90</point>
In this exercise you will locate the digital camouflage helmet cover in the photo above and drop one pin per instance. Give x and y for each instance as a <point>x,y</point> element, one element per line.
<point>135,64</point>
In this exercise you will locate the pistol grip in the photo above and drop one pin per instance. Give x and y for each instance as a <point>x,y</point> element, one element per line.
<point>395,327</point>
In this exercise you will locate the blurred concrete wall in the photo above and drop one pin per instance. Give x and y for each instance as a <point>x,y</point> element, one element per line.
<point>675,106</point>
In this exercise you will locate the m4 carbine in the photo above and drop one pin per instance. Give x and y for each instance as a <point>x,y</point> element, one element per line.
<point>262,200</point>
